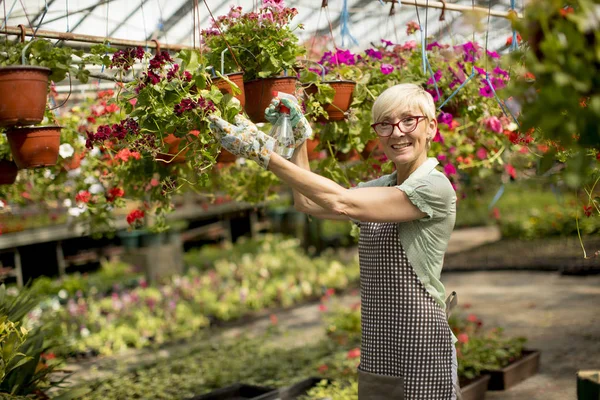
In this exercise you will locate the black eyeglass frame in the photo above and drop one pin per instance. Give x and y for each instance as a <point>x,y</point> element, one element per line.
<point>397,125</point>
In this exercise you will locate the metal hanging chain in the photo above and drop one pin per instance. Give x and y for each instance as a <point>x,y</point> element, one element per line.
<point>194,27</point>
<point>144,23</point>
<point>161,24</point>
<point>220,31</point>
<point>424,58</point>
<point>199,29</point>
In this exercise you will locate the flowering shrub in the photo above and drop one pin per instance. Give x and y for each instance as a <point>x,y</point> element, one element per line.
<point>264,42</point>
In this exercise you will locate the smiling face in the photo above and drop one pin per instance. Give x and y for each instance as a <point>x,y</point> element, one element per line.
<point>405,149</point>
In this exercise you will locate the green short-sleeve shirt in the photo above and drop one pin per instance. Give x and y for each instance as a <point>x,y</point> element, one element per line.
<point>425,240</point>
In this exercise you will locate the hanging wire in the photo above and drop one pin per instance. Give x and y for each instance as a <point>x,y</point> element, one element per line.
<point>424,58</point>
<point>44,14</point>
<point>513,45</point>
<point>221,32</point>
<point>144,22</point>
<point>345,24</point>
<point>27,16</point>
<point>312,45</point>
<point>161,24</point>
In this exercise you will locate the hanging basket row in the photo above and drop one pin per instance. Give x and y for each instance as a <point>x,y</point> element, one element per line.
<point>23,95</point>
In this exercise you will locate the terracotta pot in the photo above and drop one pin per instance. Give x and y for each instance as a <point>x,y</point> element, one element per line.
<point>259,94</point>
<point>341,100</point>
<point>74,161</point>
<point>8,172</point>
<point>352,155</point>
<point>311,145</point>
<point>226,157</point>
<point>372,148</point>
<point>225,87</point>
<point>23,93</point>
<point>35,146</point>
<point>172,156</point>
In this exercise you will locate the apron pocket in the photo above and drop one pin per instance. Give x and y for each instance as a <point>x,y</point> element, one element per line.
<point>379,387</point>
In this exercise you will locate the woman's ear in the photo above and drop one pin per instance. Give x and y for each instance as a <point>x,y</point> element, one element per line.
<point>433,124</point>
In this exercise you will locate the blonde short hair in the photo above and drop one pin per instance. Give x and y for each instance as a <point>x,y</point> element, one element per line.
<point>403,97</point>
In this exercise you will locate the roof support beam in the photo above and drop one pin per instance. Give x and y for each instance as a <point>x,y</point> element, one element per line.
<point>131,14</point>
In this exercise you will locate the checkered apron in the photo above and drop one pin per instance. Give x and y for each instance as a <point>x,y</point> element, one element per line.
<point>404,331</point>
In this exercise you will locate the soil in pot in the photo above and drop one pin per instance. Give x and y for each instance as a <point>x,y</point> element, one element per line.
<point>341,100</point>
<point>8,172</point>
<point>23,93</point>
<point>225,87</point>
<point>35,146</point>
<point>259,94</point>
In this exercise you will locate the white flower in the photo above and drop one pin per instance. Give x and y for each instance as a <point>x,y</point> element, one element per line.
<point>96,188</point>
<point>471,107</point>
<point>240,161</point>
<point>2,204</point>
<point>85,332</point>
<point>48,173</point>
<point>77,211</point>
<point>90,180</point>
<point>512,127</point>
<point>74,172</point>
<point>66,150</point>
<point>67,203</point>
<point>95,152</point>
<point>81,139</point>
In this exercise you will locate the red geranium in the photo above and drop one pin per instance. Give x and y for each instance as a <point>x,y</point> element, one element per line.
<point>134,216</point>
<point>83,197</point>
<point>115,193</point>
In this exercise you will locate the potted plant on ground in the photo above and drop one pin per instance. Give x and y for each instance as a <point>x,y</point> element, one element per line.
<point>265,45</point>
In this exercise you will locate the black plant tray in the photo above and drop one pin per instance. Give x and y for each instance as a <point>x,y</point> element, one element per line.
<point>294,391</point>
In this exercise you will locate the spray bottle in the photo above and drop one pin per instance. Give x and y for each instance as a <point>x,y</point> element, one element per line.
<point>282,129</point>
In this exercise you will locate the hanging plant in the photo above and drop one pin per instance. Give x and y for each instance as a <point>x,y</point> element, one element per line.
<point>264,44</point>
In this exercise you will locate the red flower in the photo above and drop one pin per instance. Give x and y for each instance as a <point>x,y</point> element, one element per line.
<point>330,292</point>
<point>510,39</point>
<point>583,102</point>
<point>463,338</point>
<point>529,76</point>
<point>354,353</point>
<point>273,319</point>
<point>154,182</point>
<point>83,197</point>
<point>566,11</point>
<point>322,307</point>
<point>134,216</point>
<point>472,318</point>
<point>111,108</point>
<point>496,213</point>
<point>115,193</point>
<point>587,210</point>
<point>323,368</point>
<point>511,171</point>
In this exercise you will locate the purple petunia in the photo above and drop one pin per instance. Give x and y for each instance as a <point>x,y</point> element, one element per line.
<point>433,94</point>
<point>493,54</point>
<point>387,42</point>
<point>449,169</point>
<point>373,53</point>
<point>470,50</point>
<point>438,137</point>
<point>436,76</point>
<point>338,58</point>
<point>480,71</point>
<point>432,45</point>
<point>485,90</point>
<point>386,69</point>
<point>500,72</point>
<point>445,118</point>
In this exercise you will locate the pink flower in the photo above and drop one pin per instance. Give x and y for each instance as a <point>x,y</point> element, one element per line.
<point>481,153</point>
<point>323,368</point>
<point>387,69</point>
<point>322,307</point>
<point>412,27</point>
<point>510,170</point>
<point>354,353</point>
<point>450,169</point>
<point>445,118</point>
<point>133,101</point>
<point>438,138</point>
<point>493,124</point>
<point>409,45</point>
<point>441,157</point>
<point>463,338</point>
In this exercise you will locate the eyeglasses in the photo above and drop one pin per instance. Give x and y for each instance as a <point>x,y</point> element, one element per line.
<point>405,125</point>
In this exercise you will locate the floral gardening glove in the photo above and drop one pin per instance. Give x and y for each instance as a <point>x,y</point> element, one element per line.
<point>300,125</point>
<point>243,139</point>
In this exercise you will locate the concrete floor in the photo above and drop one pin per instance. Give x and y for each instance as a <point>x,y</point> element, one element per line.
<point>560,316</point>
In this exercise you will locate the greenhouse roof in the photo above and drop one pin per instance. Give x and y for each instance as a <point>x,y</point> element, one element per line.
<point>172,21</point>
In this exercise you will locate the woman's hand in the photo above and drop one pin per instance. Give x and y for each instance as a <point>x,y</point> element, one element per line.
<point>243,139</point>
<point>300,125</point>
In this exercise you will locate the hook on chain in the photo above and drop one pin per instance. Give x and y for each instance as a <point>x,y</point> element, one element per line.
<point>157,45</point>
<point>443,15</point>
<point>22,27</point>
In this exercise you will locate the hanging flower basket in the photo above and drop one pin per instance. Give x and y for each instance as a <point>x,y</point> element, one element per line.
<point>259,93</point>
<point>225,87</point>
<point>341,100</point>
<point>372,148</point>
<point>311,145</point>
<point>35,146</point>
<point>23,92</point>
<point>8,172</point>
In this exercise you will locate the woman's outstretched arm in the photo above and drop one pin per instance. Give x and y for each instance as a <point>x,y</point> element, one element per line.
<point>324,198</point>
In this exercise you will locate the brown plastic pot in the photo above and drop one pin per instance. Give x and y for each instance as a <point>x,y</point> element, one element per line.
<point>311,145</point>
<point>35,146</point>
<point>8,172</point>
<point>225,157</point>
<point>23,93</point>
<point>259,94</point>
<point>372,148</point>
<point>341,100</point>
<point>225,87</point>
<point>172,156</point>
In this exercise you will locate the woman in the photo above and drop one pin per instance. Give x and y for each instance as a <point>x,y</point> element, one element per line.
<point>406,218</point>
